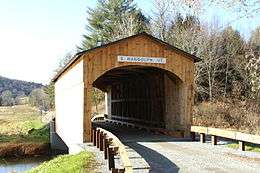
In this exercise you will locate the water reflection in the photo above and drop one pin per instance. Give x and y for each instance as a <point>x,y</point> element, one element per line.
<point>20,165</point>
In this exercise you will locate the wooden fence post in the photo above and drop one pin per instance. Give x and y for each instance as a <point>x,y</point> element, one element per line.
<point>104,142</point>
<point>111,158</point>
<point>97,137</point>
<point>94,137</point>
<point>101,141</point>
<point>106,145</point>
<point>202,137</point>
<point>241,145</point>
<point>193,136</point>
<point>214,140</point>
<point>91,135</point>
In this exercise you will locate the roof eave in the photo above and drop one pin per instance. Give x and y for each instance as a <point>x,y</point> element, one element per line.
<point>79,54</point>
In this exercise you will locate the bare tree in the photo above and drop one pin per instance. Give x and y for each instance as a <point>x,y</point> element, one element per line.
<point>246,8</point>
<point>253,68</point>
<point>97,97</point>
<point>40,99</point>
<point>64,61</point>
<point>126,27</point>
<point>161,22</point>
<point>7,98</point>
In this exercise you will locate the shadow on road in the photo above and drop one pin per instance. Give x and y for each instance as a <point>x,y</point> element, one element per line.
<point>133,138</point>
<point>157,162</point>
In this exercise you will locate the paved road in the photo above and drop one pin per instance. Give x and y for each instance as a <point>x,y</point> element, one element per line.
<point>163,154</point>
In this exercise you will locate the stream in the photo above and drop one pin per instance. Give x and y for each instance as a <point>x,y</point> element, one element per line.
<point>20,165</point>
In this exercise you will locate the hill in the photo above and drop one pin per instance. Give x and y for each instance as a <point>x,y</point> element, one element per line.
<point>17,87</point>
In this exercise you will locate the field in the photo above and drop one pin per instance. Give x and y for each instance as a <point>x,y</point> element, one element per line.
<point>22,132</point>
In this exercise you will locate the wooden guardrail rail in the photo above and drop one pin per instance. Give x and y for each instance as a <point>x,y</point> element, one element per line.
<point>98,117</point>
<point>242,138</point>
<point>176,134</point>
<point>111,146</point>
<point>103,117</point>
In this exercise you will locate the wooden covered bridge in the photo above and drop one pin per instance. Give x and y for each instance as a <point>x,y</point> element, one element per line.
<point>146,81</point>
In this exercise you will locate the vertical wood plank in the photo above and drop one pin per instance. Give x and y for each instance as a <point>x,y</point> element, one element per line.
<point>214,140</point>
<point>202,137</point>
<point>241,145</point>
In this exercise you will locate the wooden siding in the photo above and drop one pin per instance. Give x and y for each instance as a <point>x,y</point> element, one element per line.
<point>101,60</point>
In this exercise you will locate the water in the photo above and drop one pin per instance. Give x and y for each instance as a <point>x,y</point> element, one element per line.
<point>20,165</point>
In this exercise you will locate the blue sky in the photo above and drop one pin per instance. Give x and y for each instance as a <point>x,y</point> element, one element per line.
<point>34,35</point>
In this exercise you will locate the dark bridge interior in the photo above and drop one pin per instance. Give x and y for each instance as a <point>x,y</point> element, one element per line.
<point>141,95</point>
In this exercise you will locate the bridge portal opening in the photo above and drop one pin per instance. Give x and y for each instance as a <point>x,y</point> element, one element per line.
<point>143,95</point>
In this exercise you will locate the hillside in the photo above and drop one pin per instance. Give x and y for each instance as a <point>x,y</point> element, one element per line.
<point>17,87</point>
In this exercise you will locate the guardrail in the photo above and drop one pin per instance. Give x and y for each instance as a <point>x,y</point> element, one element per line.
<point>156,130</point>
<point>242,138</point>
<point>98,117</point>
<point>176,134</point>
<point>111,146</point>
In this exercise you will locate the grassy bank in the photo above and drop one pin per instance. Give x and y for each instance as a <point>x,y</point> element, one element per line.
<point>79,163</point>
<point>248,147</point>
<point>22,133</point>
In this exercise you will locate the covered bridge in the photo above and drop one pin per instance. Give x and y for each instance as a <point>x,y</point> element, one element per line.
<point>146,81</point>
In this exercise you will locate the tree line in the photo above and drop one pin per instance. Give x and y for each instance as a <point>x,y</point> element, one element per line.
<point>230,63</point>
<point>16,92</point>
<point>38,97</point>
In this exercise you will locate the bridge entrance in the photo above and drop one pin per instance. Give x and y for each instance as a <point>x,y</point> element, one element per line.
<point>146,81</point>
<point>142,95</point>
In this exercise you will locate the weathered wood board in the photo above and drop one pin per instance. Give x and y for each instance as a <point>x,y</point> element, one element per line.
<point>154,84</point>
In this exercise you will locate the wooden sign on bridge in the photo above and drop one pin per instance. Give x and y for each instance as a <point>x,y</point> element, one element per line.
<point>146,81</point>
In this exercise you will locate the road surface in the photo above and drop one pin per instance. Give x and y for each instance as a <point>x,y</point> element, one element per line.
<point>153,153</point>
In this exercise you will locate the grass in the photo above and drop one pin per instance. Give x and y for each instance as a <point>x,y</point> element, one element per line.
<point>248,147</point>
<point>22,133</point>
<point>17,121</point>
<point>78,163</point>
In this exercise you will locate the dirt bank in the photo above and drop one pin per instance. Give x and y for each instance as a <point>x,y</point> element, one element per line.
<point>10,149</point>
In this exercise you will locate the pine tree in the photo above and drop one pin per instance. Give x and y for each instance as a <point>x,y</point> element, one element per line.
<point>112,20</point>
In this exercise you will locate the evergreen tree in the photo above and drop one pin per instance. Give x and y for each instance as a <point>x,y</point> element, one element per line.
<point>110,20</point>
<point>50,91</point>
